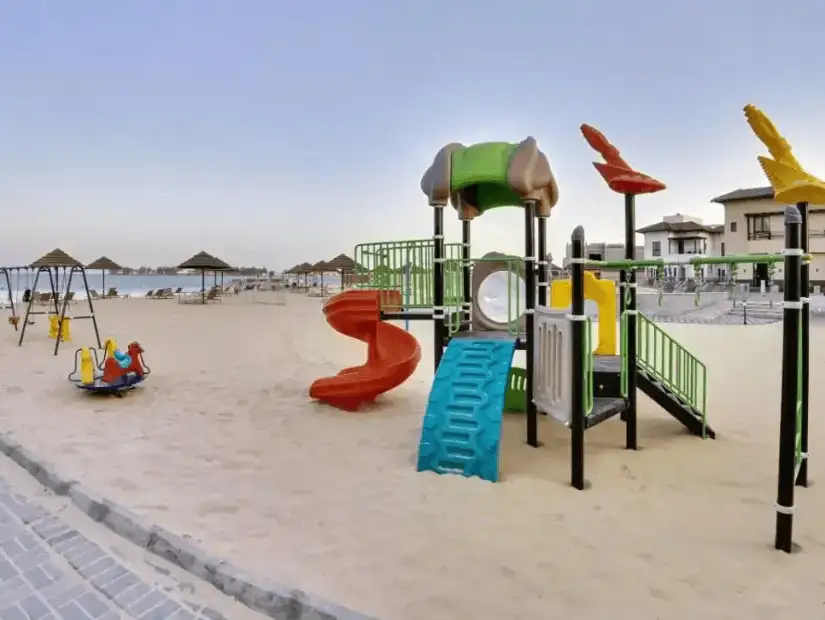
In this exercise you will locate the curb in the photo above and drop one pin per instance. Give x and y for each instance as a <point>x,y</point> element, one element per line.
<point>275,600</point>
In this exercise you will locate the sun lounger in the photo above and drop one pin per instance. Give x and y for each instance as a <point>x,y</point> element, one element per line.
<point>163,293</point>
<point>211,296</point>
<point>112,294</point>
<point>94,294</point>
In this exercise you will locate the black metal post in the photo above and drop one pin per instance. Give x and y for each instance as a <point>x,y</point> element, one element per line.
<point>577,325</point>
<point>91,315</point>
<point>628,305</point>
<point>465,266</point>
<point>62,315</point>
<point>29,308</point>
<point>438,284</point>
<point>544,268</point>
<point>805,284</point>
<point>11,296</point>
<point>529,313</point>
<point>790,376</point>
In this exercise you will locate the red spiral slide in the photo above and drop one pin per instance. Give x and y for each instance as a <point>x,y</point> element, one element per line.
<point>392,353</point>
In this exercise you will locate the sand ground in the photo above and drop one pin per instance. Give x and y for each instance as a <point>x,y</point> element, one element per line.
<point>223,444</point>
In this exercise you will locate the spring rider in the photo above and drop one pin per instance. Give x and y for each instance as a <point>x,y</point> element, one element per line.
<point>119,371</point>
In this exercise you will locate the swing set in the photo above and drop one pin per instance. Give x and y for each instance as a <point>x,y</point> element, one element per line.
<point>60,269</point>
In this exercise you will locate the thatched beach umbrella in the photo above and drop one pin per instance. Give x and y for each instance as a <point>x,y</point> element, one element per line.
<point>204,262</point>
<point>55,260</point>
<point>104,263</point>
<point>344,264</point>
<point>303,269</point>
<point>322,267</point>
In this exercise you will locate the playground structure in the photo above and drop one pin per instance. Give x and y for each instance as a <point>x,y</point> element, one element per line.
<point>57,303</point>
<point>564,376</point>
<point>116,373</point>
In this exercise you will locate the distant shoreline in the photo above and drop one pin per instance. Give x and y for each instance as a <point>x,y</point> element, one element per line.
<point>172,275</point>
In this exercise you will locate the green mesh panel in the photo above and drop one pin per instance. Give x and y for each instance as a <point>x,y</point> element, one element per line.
<point>479,172</point>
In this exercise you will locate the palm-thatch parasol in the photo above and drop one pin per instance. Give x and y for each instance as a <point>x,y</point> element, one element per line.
<point>104,263</point>
<point>55,259</point>
<point>303,269</point>
<point>204,262</point>
<point>344,264</point>
<point>321,267</point>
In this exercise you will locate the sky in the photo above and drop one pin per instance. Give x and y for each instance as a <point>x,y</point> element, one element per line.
<point>271,132</point>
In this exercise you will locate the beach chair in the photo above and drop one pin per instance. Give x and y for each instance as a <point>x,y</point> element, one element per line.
<point>94,294</point>
<point>163,293</point>
<point>112,294</point>
<point>150,293</point>
<point>70,297</point>
<point>211,296</point>
<point>44,299</point>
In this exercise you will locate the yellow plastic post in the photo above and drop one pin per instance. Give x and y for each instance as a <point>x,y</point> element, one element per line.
<point>87,367</point>
<point>53,320</point>
<point>110,347</point>
<point>603,292</point>
<point>54,327</point>
<point>791,182</point>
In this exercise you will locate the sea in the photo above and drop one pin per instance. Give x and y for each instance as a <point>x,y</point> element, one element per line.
<point>134,286</point>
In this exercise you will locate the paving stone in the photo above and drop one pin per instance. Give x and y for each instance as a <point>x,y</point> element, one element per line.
<point>50,571</point>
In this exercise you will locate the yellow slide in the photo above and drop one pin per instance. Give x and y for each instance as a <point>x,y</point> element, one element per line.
<point>603,292</point>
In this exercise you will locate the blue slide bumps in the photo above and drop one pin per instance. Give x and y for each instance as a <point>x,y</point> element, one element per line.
<point>462,426</point>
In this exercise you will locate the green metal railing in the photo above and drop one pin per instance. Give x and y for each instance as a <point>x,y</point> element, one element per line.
<point>588,362</point>
<point>662,358</point>
<point>407,267</point>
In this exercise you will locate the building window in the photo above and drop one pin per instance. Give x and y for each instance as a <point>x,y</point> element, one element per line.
<point>733,226</point>
<point>723,248</point>
<point>759,226</point>
<point>657,248</point>
<point>689,245</point>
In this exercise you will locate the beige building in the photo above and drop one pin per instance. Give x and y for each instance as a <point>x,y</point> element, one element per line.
<point>754,224</point>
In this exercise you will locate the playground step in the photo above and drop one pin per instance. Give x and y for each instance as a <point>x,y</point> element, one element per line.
<point>604,409</point>
<point>675,406</point>
<point>462,425</point>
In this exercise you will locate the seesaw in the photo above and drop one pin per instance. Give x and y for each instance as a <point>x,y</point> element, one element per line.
<point>117,373</point>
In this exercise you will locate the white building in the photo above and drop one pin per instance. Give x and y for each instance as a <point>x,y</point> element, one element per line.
<point>682,237</point>
<point>603,251</point>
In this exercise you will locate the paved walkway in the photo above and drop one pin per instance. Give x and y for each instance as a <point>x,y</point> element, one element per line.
<point>49,570</point>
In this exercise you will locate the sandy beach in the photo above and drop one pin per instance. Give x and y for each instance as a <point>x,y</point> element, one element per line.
<point>223,444</point>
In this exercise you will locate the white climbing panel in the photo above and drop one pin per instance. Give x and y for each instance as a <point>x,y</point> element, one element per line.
<point>551,363</point>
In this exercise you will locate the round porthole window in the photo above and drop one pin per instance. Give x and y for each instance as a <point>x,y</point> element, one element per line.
<point>499,303</point>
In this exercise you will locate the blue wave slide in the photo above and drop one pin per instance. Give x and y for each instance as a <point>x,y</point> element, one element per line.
<point>461,432</point>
